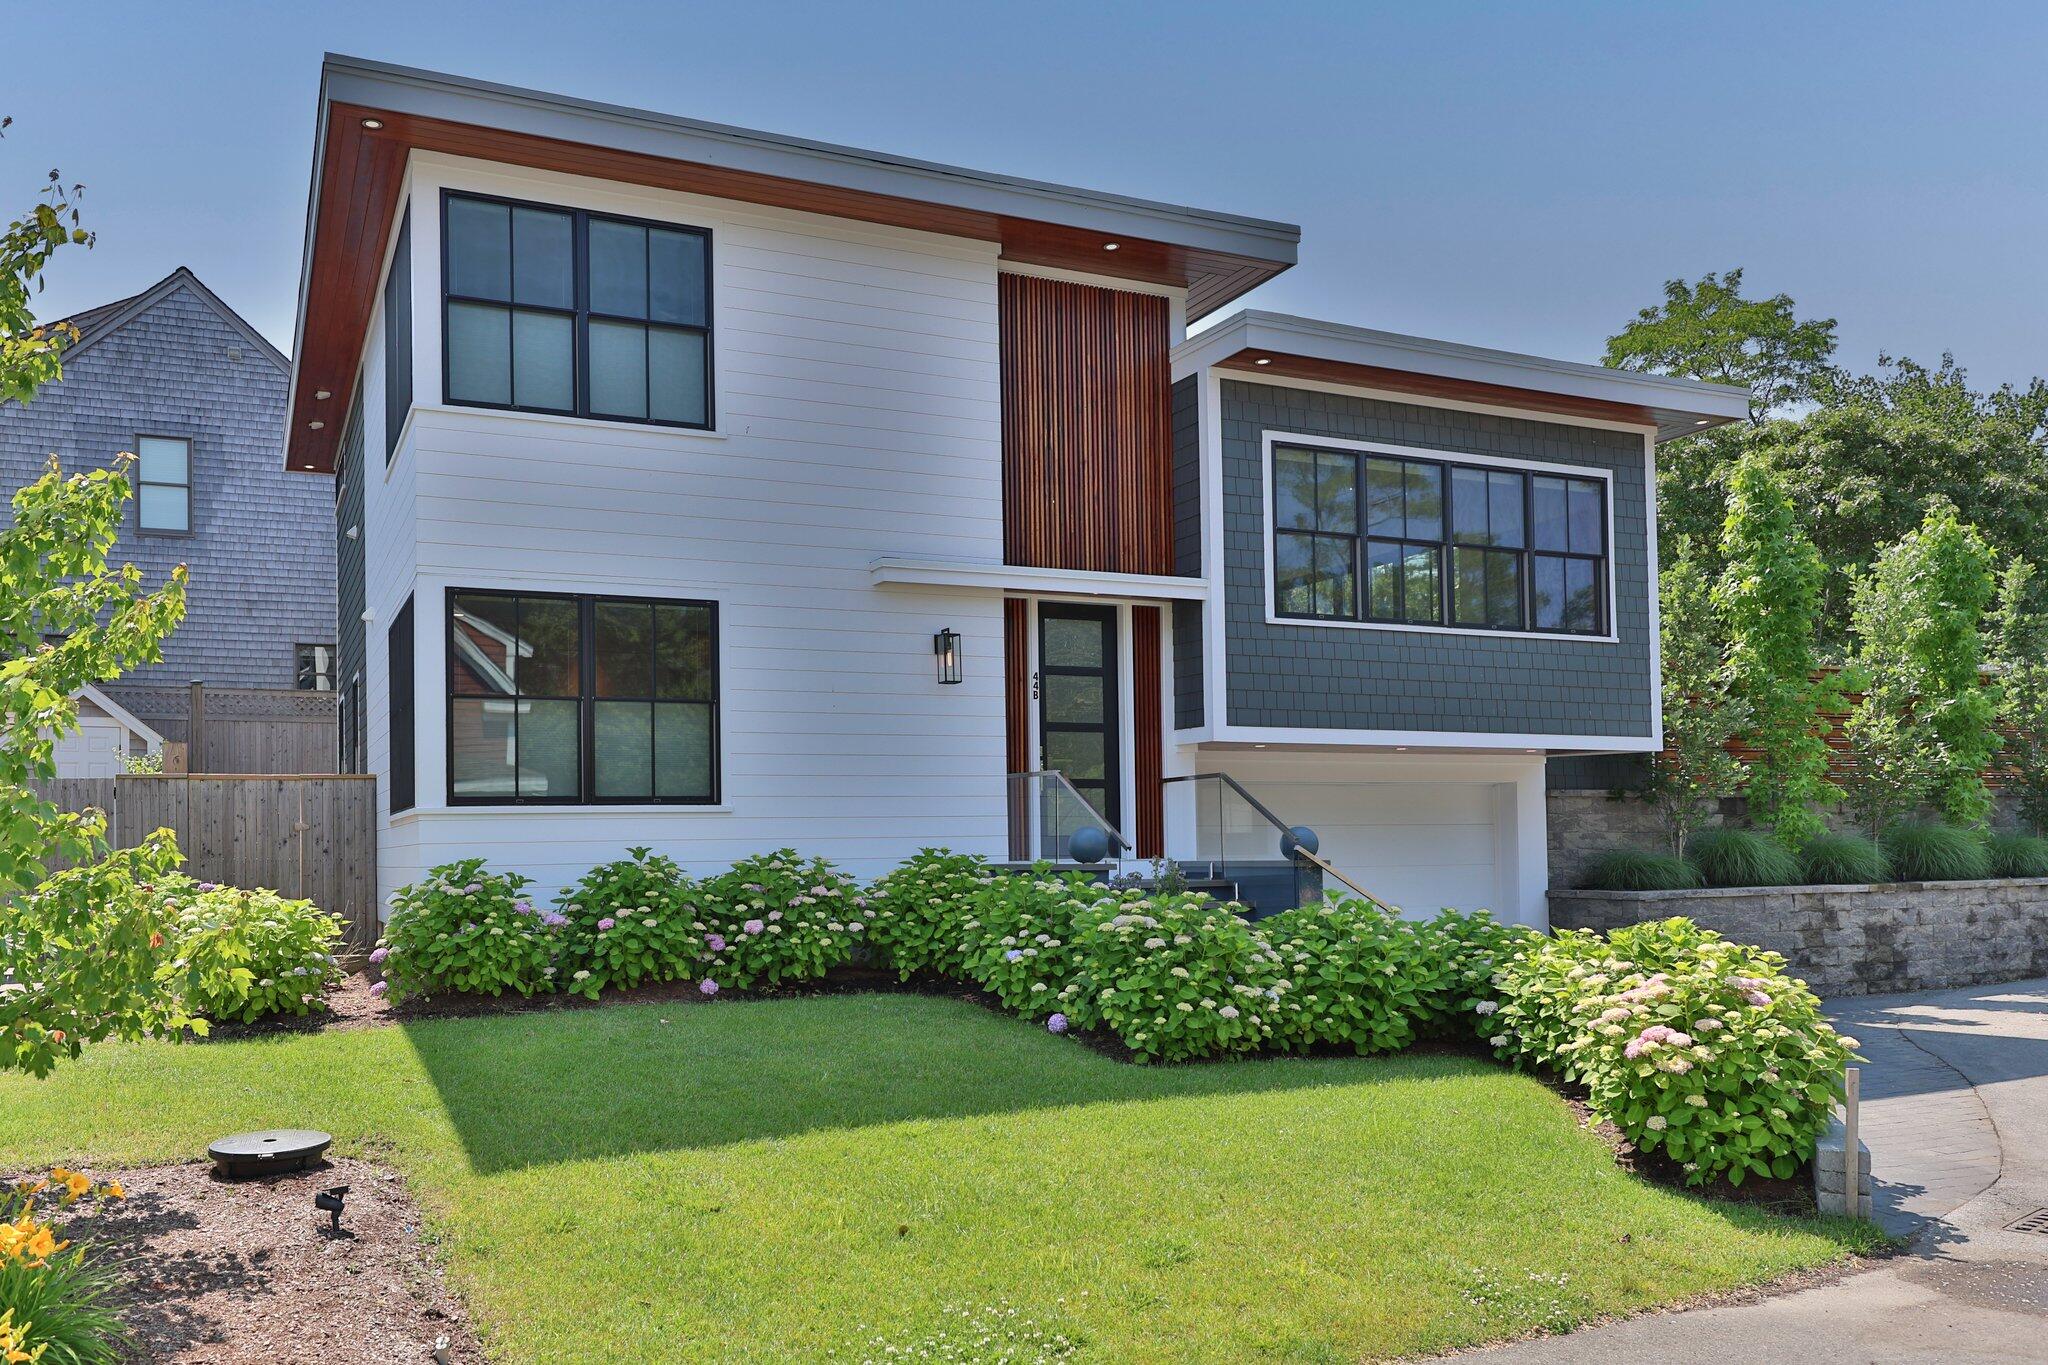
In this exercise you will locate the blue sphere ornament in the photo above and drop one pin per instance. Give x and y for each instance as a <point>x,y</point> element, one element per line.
<point>1301,837</point>
<point>1088,845</point>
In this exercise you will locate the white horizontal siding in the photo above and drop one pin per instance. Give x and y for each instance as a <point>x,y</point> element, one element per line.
<point>858,415</point>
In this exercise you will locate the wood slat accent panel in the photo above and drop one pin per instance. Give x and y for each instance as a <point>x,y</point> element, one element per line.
<point>1087,443</point>
<point>1433,386</point>
<point>1148,743</point>
<point>1017,717</point>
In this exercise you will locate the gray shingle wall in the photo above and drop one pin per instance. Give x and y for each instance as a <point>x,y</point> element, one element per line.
<point>1338,678</point>
<point>261,550</point>
<point>1187,552</point>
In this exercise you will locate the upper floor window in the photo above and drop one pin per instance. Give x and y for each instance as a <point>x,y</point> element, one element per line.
<point>313,668</point>
<point>581,699</point>
<point>1381,539</point>
<point>163,483</point>
<point>559,310</point>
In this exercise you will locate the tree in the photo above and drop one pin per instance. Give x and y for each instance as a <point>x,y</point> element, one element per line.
<point>1768,596</point>
<point>1709,331</point>
<point>2019,650</point>
<point>1924,727</point>
<point>1700,716</point>
<point>75,950</point>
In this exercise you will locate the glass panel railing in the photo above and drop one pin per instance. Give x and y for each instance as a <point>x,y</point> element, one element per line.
<point>1059,824</point>
<point>1238,839</point>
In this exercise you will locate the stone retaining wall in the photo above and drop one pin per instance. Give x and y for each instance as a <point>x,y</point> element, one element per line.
<point>1855,940</point>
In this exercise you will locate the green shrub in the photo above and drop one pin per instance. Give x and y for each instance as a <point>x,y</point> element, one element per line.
<point>2018,855</point>
<point>466,928</point>
<point>1693,1046</point>
<point>915,912</point>
<point>1741,857</point>
<point>1842,860</point>
<point>778,918</point>
<point>1937,853</point>
<point>630,922</point>
<point>66,1307</point>
<point>1183,976</point>
<point>1641,869</point>
<point>1347,973</point>
<point>242,955</point>
<point>1453,973</point>
<point>1017,941</point>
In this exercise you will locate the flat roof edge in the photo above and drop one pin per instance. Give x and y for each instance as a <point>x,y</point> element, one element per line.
<point>403,89</point>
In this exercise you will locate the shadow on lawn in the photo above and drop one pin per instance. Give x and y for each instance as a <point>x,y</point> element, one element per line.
<point>536,1089</point>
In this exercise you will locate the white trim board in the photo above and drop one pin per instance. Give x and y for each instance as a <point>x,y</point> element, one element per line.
<point>1269,438</point>
<point>909,572</point>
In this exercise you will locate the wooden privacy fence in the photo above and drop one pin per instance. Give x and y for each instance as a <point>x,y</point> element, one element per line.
<point>311,837</point>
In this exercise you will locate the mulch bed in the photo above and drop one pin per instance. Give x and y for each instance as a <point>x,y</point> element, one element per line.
<point>246,1272</point>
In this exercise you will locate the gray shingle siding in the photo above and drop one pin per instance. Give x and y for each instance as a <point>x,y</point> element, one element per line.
<point>1338,678</point>
<point>261,551</point>
<point>1187,550</point>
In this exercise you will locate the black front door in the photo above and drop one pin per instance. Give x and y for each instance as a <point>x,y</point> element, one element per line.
<point>1077,706</point>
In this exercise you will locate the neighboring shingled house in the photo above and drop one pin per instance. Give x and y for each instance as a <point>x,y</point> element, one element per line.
<point>177,377</point>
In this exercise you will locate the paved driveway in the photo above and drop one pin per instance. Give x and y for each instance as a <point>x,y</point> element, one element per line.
<point>1955,1112</point>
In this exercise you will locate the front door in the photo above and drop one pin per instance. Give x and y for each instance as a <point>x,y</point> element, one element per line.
<point>1077,707</point>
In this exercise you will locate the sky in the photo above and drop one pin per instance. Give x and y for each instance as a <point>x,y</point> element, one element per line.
<point>1515,175</point>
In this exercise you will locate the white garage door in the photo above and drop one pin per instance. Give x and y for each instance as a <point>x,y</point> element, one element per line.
<point>1421,847</point>
<point>95,751</point>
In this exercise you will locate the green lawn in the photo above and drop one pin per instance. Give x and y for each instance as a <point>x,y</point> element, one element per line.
<point>796,1180</point>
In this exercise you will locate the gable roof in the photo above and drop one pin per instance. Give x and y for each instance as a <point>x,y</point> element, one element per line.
<point>108,318</point>
<point>122,715</point>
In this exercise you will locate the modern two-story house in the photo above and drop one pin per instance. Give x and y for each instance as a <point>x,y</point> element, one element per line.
<point>178,379</point>
<point>716,491</point>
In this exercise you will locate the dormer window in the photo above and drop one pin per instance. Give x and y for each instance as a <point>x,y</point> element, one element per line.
<point>562,311</point>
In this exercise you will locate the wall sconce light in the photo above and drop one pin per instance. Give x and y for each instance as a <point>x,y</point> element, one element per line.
<point>946,655</point>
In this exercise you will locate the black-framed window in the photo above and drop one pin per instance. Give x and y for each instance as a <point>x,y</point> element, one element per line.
<point>163,483</point>
<point>313,668</point>
<point>563,699</point>
<point>398,656</point>
<point>398,337</point>
<point>561,310</point>
<point>1385,539</point>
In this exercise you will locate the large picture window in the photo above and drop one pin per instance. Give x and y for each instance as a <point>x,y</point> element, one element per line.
<point>559,699</point>
<point>558,310</point>
<point>1372,538</point>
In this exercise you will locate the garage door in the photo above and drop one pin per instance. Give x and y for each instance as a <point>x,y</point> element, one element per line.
<point>1421,847</point>
<point>95,751</point>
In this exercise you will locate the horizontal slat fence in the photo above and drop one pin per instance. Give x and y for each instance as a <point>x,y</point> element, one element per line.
<point>310,837</point>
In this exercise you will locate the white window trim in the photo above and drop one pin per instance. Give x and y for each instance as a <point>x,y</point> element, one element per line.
<point>1269,439</point>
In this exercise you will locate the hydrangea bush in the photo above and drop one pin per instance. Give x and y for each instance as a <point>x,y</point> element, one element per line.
<point>1018,940</point>
<point>1178,976</point>
<point>1454,970</point>
<point>1345,973</point>
<point>241,955</point>
<point>466,928</point>
<point>916,911</point>
<point>1702,1049</point>
<point>778,918</point>
<point>631,922</point>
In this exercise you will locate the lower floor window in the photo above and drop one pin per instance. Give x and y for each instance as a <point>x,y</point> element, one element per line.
<point>313,668</point>
<point>558,699</point>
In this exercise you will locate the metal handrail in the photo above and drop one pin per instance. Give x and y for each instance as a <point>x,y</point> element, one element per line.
<point>1286,831</point>
<point>1056,775</point>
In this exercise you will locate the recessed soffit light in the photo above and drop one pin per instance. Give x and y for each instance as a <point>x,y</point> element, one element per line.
<point>1111,246</point>
<point>323,393</point>
<point>316,425</point>
<point>373,124</point>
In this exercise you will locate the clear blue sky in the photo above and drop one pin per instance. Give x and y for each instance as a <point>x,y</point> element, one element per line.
<point>1519,175</point>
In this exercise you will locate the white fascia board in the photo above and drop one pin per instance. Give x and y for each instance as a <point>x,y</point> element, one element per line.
<point>121,714</point>
<point>1284,334</point>
<point>903,571</point>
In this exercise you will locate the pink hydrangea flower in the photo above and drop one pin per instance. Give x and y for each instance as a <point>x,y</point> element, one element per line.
<point>708,986</point>
<point>752,926</point>
<point>378,955</point>
<point>605,923</point>
<point>379,989</point>
<point>1056,1024</point>
<point>715,942</point>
